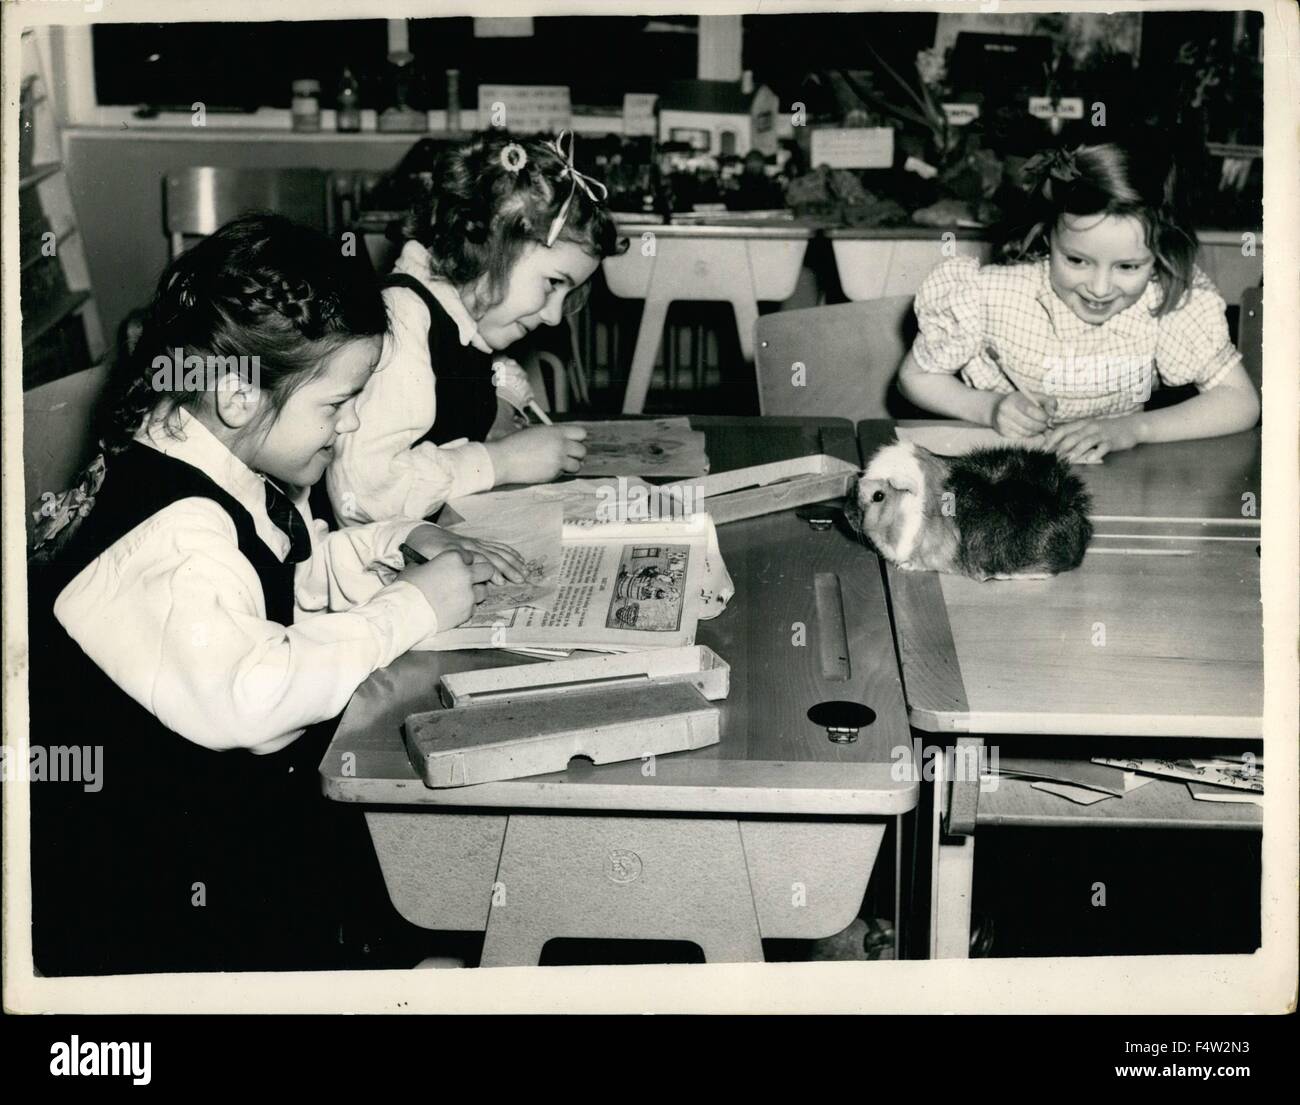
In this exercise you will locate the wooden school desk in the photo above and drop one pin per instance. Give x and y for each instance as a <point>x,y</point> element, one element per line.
<point>771,833</point>
<point>1157,635</point>
<point>737,263</point>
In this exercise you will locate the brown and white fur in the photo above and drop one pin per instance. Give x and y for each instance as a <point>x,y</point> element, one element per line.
<point>1000,513</point>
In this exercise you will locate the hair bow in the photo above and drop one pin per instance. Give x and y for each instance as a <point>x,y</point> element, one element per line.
<point>577,180</point>
<point>1059,165</point>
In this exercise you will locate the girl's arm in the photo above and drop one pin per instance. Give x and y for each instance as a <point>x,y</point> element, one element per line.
<point>204,658</point>
<point>1230,406</point>
<point>1013,414</point>
<point>350,565</point>
<point>1227,408</point>
<point>946,394</point>
<point>376,474</point>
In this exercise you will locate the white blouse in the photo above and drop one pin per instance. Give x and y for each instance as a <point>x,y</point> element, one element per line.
<point>174,614</point>
<point>1004,329</point>
<point>376,474</point>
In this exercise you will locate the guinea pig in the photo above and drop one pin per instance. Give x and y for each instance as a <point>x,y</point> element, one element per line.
<point>998,513</point>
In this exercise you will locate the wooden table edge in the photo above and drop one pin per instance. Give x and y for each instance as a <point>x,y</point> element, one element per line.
<point>750,801</point>
<point>1003,723</point>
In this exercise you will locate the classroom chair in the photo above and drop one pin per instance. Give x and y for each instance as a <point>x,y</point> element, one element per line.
<point>849,353</point>
<point>198,200</point>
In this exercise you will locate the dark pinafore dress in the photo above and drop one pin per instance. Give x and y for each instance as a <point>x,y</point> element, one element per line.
<point>186,859</point>
<point>466,396</point>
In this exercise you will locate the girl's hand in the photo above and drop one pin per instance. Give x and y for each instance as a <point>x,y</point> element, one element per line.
<point>1019,415</point>
<point>512,383</point>
<point>1090,439</point>
<point>537,454</point>
<point>431,541</point>
<point>452,582</point>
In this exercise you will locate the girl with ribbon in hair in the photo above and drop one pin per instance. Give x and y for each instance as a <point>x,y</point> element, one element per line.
<point>189,616</point>
<point>506,240</point>
<point>1099,295</point>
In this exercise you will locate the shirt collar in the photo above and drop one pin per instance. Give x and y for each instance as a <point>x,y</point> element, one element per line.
<point>1130,322</point>
<point>183,437</point>
<point>416,261</point>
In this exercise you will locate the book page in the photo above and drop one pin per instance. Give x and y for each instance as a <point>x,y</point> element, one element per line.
<point>626,592</point>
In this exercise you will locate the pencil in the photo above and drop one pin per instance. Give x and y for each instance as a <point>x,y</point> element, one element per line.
<point>411,555</point>
<point>541,414</point>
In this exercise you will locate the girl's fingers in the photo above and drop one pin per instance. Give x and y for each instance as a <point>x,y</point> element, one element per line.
<point>480,571</point>
<point>1083,447</point>
<point>573,433</point>
<point>571,464</point>
<point>480,591</point>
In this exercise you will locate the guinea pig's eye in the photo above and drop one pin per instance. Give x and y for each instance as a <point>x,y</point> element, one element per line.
<point>877,496</point>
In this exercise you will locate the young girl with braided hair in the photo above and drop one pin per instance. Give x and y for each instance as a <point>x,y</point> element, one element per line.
<point>1101,294</point>
<point>189,616</point>
<point>505,241</point>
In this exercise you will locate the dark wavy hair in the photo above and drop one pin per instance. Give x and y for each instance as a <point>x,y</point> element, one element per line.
<point>261,286</point>
<point>1136,180</point>
<point>477,214</point>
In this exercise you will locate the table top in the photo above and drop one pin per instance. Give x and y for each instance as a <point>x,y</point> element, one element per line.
<point>771,759</point>
<point>759,228</point>
<point>1158,633</point>
<point>1215,479</point>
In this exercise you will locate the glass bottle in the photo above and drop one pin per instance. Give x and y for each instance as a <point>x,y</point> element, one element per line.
<point>349,104</point>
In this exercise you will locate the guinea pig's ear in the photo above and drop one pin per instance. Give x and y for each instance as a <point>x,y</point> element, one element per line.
<point>898,466</point>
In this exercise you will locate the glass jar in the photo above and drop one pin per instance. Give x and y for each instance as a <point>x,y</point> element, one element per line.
<point>305,107</point>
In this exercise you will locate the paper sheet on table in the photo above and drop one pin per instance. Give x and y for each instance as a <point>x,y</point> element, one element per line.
<point>1245,773</point>
<point>957,440</point>
<point>533,529</point>
<point>582,502</point>
<point>648,447</point>
<point>621,587</point>
<point>594,508</point>
<point>1080,795</point>
<point>1204,792</point>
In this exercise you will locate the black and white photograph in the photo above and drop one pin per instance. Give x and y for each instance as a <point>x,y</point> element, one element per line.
<point>656,495</point>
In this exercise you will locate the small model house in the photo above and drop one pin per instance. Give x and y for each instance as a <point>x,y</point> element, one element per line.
<point>719,117</point>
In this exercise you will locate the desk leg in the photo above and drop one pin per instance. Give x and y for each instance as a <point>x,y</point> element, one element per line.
<point>952,857</point>
<point>621,878</point>
<point>746,316</point>
<point>648,338</point>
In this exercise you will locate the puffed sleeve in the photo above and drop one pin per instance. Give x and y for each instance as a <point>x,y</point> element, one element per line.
<point>205,659</point>
<point>1192,343</point>
<point>950,315</point>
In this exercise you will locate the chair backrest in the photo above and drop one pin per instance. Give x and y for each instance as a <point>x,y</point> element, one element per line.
<point>850,354</point>
<point>198,200</point>
<point>1250,333</point>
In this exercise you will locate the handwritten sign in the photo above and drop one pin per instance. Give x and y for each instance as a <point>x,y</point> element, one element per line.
<point>524,108</point>
<point>853,147</point>
<point>1068,107</point>
<point>639,113</point>
<point>960,115</point>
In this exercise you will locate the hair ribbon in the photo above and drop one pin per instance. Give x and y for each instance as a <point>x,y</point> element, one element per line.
<point>1057,164</point>
<point>577,180</point>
